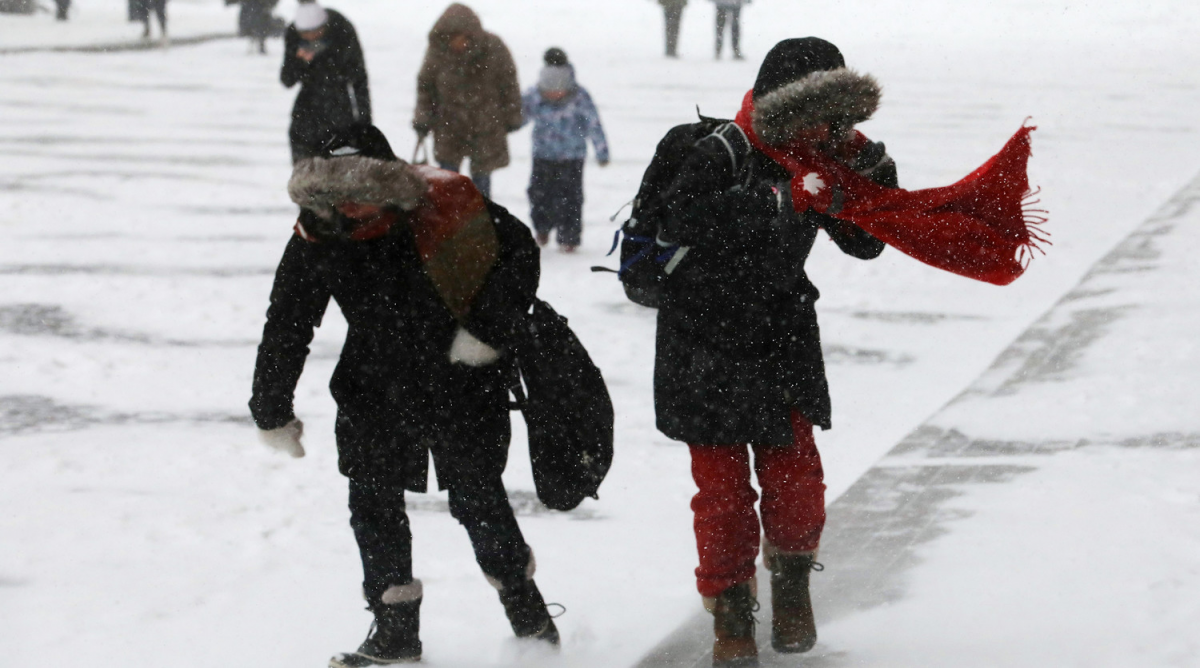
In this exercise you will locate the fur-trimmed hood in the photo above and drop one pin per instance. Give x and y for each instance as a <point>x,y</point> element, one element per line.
<point>840,95</point>
<point>320,184</point>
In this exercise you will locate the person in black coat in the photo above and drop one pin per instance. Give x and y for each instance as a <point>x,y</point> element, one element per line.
<point>415,377</point>
<point>739,351</point>
<point>321,52</point>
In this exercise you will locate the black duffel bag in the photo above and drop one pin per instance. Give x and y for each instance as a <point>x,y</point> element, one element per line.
<point>567,410</point>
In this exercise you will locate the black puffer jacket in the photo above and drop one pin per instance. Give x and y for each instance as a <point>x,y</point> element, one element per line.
<point>398,394</point>
<point>333,88</point>
<point>738,345</point>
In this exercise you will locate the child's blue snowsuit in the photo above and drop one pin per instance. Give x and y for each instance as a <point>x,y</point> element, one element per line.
<point>560,133</point>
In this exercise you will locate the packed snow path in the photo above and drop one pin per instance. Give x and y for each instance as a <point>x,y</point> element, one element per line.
<point>143,211</point>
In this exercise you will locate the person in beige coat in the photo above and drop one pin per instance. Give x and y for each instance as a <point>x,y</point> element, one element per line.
<point>468,96</point>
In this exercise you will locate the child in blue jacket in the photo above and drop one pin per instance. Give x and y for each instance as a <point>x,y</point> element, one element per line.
<point>564,118</point>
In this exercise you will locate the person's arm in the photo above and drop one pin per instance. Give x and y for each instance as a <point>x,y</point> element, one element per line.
<point>595,131</point>
<point>529,105</point>
<point>511,286</point>
<point>425,113</point>
<point>873,162</point>
<point>294,68</point>
<point>508,88</point>
<point>298,301</point>
<point>358,77</point>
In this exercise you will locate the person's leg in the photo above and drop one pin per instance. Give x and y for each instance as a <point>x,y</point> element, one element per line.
<point>540,209</point>
<point>793,510</point>
<point>673,15</point>
<point>726,525</point>
<point>735,31</point>
<point>483,182</point>
<point>160,10</point>
<point>793,491</point>
<point>727,542</point>
<point>721,13</point>
<point>480,503</point>
<point>570,204</point>
<point>381,528</point>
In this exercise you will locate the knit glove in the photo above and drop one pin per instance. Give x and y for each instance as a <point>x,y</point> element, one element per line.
<point>467,349</point>
<point>285,438</point>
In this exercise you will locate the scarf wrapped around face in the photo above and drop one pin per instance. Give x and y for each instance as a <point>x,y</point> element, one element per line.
<point>451,226</point>
<point>981,227</point>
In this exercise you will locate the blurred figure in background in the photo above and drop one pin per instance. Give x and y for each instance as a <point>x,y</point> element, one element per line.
<point>254,22</point>
<point>564,119</point>
<point>140,10</point>
<point>61,9</point>
<point>321,52</point>
<point>468,96</point>
<point>672,16</point>
<point>730,11</point>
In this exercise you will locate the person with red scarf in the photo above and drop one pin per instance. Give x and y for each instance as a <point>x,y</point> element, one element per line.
<point>738,358</point>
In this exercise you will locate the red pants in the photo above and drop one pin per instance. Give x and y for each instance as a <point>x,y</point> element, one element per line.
<point>793,505</point>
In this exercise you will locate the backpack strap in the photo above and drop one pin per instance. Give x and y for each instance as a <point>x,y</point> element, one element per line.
<point>735,141</point>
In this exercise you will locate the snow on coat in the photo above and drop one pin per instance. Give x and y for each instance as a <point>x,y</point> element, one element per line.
<point>562,129</point>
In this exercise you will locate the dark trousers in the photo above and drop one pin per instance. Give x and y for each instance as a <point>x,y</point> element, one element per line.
<point>381,527</point>
<point>556,199</point>
<point>673,14</point>
<point>734,16</point>
<point>62,7</point>
<point>483,182</point>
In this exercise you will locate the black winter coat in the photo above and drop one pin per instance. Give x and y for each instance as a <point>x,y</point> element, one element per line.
<point>399,396</point>
<point>333,87</point>
<point>738,345</point>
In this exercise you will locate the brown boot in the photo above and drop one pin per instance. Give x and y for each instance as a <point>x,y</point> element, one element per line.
<point>793,628</point>
<point>733,627</point>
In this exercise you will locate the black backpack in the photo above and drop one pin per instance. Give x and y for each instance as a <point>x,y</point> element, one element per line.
<point>567,410</point>
<point>646,261</point>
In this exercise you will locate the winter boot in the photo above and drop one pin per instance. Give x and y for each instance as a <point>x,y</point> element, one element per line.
<point>733,627</point>
<point>394,636</point>
<point>526,609</point>
<point>793,628</point>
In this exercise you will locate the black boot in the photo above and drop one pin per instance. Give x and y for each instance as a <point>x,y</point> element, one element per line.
<point>526,611</point>
<point>793,628</point>
<point>394,638</point>
<point>733,628</point>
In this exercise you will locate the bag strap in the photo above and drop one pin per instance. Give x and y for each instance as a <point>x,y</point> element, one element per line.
<point>735,141</point>
<point>420,152</point>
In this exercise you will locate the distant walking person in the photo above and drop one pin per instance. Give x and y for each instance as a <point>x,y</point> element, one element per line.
<point>564,119</point>
<point>468,96</point>
<point>62,7</point>
<point>140,10</point>
<point>322,54</point>
<point>730,11</point>
<point>672,16</point>
<point>254,22</point>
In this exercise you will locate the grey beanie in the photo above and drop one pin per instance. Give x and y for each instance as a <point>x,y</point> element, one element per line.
<point>557,78</point>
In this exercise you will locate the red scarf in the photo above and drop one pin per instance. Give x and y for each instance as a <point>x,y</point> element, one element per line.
<point>981,227</point>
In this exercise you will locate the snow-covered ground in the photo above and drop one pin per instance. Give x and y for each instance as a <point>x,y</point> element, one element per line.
<point>143,210</point>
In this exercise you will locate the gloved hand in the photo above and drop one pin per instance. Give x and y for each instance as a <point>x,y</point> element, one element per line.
<point>467,349</point>
<point>421,129</point>
<point>285,438</point>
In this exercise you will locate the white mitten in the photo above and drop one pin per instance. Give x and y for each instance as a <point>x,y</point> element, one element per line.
<point>285,438</point>
<point>469,350</point>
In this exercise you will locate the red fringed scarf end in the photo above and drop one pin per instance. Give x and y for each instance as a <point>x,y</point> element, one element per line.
<point>986,226</point>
